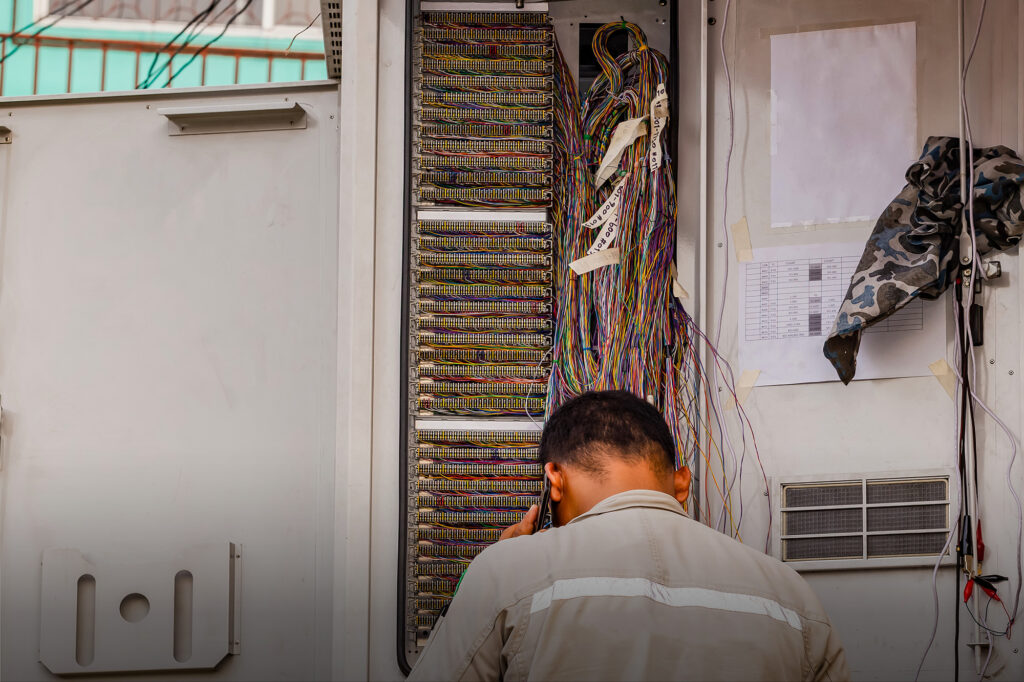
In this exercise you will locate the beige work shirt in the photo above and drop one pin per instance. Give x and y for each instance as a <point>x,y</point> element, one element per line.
<point>631,590</point>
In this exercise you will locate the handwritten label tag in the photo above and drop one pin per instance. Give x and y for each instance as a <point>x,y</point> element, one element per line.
<point>659,121</point>
<point>607,236</point>
<point>609,208</point>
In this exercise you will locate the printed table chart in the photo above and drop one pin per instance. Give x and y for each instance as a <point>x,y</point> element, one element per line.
<point>789,298</point>
<point>797,298</point>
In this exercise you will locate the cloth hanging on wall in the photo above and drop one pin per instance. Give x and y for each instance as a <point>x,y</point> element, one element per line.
<point>912,252</point>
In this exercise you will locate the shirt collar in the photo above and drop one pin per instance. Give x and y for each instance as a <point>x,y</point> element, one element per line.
<point>634,498</point>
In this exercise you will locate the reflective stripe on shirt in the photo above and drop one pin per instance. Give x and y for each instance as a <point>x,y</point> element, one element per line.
<point>571,588</point>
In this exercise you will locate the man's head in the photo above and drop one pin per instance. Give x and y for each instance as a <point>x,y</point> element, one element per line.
<point>606,442</point>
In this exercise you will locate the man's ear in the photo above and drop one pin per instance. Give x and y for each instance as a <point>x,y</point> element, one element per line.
<point>681,483</point>
<point>556,476</point>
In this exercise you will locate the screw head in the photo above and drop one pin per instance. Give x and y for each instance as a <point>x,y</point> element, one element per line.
<point>719,244</point>
<point>991,362</point>
<point>711,21</point>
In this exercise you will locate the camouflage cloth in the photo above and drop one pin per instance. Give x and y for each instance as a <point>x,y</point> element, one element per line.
<point>912,252</point>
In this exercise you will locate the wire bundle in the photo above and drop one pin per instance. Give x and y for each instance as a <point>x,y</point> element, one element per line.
<point>621,326</point>
<point>194,28</point>
<point>613,328</point>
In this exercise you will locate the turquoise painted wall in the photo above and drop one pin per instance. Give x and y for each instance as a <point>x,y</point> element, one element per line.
<point>19,69</point>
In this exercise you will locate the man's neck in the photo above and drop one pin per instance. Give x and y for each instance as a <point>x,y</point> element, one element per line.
<point>619,476</point>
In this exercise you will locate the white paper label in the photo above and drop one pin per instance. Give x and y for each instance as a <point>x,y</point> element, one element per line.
<point>609,208</point>
<point>659,120</point>
<point>595,261</point>
<point>625,134</point>
<point>607,236</point>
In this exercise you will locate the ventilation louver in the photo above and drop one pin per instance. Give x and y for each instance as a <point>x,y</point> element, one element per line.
<point>866,519</point>
<point>330,17</point>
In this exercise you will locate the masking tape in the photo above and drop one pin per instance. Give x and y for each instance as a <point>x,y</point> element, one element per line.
<point>944,373</point>
<point>594,261</point>
<point>767,33</point>
<point>677,287</point>
<point>744,387</point>
<point>741,241</point>
<point>624,135</point>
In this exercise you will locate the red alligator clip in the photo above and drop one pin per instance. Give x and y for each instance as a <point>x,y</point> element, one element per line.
<point>981,544</point>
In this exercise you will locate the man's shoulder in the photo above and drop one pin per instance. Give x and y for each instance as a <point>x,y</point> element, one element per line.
<point>705,555</point>
<point>512,554</point>
<point>694,554</point>
<point>511,569</point>
<point>738,561</point>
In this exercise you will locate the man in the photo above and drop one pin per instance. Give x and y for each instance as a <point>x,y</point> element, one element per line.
<point>627,587</point>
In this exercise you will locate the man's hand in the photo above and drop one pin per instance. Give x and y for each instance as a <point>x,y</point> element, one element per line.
<point>524,527</point>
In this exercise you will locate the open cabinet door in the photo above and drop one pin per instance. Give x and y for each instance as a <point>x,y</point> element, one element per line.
<point>168,335</point>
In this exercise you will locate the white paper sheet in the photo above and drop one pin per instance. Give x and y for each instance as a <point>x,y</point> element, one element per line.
<point>790,296</point>
<point>844,122</point>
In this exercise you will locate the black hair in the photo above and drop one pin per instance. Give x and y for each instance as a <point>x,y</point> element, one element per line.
<point>594,426</point>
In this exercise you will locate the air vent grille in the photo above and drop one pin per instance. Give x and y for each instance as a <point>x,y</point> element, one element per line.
<point>880,492</point>
<point>330,11</point>
<point>823,495</point>
<point>815,548</point>
<point>864,519</point>
<point>823,521</point>
<point>905,545</point>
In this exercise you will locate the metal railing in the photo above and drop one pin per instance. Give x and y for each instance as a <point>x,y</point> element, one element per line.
<point>140,49</point>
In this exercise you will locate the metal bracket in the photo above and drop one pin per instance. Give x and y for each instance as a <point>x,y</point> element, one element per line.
<point>85,626</point>
<point>992,269</point>
<point>234,118</point>
<point>5,135</point>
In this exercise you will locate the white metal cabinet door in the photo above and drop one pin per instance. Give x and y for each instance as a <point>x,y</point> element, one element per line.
<point>168,311</point>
